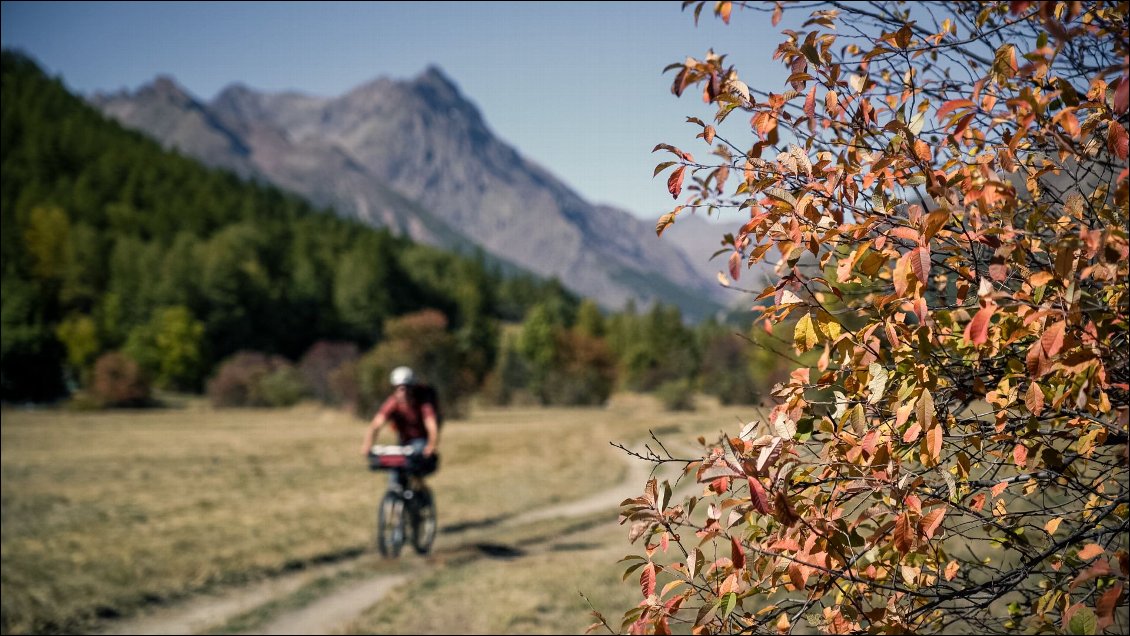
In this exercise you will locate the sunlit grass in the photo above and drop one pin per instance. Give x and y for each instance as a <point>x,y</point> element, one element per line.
<point>106,512</point>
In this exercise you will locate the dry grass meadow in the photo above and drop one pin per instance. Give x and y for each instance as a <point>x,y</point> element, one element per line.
<point>106,514</point>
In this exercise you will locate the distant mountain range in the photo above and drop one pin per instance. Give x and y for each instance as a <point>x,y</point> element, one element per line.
<point>418,157</point>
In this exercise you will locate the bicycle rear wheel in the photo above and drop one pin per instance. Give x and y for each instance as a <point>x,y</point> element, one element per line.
<point>423,521</point>
<point>390,525</point>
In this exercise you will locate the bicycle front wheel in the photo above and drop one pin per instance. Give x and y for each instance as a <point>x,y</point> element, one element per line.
<point>423,522</point>
<point>390,525</point>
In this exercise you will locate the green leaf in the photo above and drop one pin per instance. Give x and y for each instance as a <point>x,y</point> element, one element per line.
<point>1083,622</point>
<point>730,600</point>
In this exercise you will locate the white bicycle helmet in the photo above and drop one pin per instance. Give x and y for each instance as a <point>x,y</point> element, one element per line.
<point>401,376</point>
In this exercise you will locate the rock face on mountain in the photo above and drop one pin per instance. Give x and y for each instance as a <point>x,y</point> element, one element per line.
<point>418,157</point>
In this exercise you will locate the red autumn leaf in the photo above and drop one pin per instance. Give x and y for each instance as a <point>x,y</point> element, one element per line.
<point>776,15</point>
<point>758,497</point>
<point>735,265</point>
<point>810,108</point>
<point>912,433</point>
<point>977,331</point>
<point>1105,606</point>
<point>647,580</point>
<point>904,534</point>
<point>952,105</point>
<point>962,124</point>
<point>1035,360</point>
<point>920,263</point>
<point>1117,140</point>
<point>1052,339</point>
<point>724,11</point>
<point>675,182</point>
<point>1122,95</point>
<point>737,555</point>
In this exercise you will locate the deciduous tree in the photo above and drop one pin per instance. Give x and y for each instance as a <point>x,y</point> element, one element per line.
<point>945,186</point>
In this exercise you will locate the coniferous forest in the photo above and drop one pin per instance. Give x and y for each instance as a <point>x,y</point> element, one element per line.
<point>126,266</point>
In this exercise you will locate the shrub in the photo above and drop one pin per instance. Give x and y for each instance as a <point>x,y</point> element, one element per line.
<point>319,364</point>
<point>676,395</point>
<point>250,378</point>
<point>119,381</point>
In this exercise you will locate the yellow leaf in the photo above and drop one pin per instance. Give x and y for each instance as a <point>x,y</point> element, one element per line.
<point>804,335</point>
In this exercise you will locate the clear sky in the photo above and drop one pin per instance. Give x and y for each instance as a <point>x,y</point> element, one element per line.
<point>575,86</point>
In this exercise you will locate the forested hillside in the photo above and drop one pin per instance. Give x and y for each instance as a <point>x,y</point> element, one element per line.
<point>110,242</point>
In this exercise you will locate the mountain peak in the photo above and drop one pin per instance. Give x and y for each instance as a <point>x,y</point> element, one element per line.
<point>166,87</point>
<point>434,77</point>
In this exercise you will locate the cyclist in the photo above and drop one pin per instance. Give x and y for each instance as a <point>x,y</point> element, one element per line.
<point>414,421</point>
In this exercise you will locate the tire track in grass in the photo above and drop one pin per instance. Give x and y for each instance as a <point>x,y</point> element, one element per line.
<point>334,610</point>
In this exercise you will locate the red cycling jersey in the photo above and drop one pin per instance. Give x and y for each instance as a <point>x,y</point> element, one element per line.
<point>407,419</point>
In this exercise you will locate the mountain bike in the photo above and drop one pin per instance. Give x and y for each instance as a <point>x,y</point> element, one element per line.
<point>407,510</point>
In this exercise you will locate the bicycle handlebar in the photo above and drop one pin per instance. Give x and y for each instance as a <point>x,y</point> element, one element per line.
<point>392,449</point>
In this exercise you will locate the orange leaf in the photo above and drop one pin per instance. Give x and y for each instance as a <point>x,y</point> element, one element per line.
<point>1020,454</point>
<point>999,488</point>
<point>675,182</point>
<point>930,522</point>
<point>977,503</point>
<point>1052,525</point>
<point>934,443</point>
<point>1090,551</point>
<point>735,265</point>
<point>1052,339</point>
<point>724,11</point>
<point>951,570</point>
<point>1034,399</point>
<point>777,15</point>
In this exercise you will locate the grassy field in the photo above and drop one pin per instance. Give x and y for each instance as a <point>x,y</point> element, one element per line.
<point>106,513</point>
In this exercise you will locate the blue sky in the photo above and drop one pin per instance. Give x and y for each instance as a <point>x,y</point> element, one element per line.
<point>575,86</point>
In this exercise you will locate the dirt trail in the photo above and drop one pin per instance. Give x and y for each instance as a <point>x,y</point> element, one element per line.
<point>334,611</point>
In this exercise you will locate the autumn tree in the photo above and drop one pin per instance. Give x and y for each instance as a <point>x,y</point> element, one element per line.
<point>944,190</point>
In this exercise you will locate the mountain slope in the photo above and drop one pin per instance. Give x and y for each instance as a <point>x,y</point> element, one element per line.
<point>418,157</point>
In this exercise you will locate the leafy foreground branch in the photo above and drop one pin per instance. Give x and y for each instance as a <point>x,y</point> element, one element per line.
<point>944,189</point>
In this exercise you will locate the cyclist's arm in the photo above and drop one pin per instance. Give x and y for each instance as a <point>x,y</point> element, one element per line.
<point>432,428</point>
<point>371,432</point>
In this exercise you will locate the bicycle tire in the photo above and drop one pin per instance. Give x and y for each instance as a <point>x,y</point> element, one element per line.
<point>423,520</point>
<point>390,525</point>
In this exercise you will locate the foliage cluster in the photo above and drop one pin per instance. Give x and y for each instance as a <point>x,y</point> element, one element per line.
<point>110,243</point>
<point>944,189</point>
